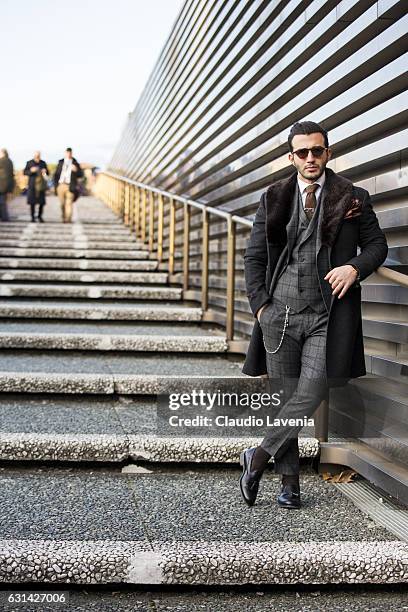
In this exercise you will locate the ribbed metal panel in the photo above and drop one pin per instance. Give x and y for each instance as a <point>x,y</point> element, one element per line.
<point>381,509</point>
<point>213,120</point>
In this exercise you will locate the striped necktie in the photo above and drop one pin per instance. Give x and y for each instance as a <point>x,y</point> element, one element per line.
<point>310,203</point>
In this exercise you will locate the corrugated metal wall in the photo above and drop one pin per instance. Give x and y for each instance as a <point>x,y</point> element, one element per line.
<point>234,75</point>
<point>212,124</point>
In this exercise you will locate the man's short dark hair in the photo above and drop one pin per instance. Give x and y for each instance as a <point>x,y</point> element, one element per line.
<point>306,127</point>
<point>69,149</point>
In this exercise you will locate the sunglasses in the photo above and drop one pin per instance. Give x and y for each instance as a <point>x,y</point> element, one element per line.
<point>316,152</point>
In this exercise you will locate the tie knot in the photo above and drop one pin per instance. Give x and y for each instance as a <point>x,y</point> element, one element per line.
<point>311,188</point>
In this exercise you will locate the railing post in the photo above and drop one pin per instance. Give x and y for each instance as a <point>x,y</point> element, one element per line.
<point>230,278</point>
<point>136,219</point>
<point>122,199</point>
<point>151,222</point>
<point>113,186</point>
<point>160,228</point>
<point>321,420</point>
<point>132,192</point>
<point>172,235</point>
<point>118,197</point>
<point>186,246</point>
<point>204,261</point>
<point>144,207</point>
<point>126,190</point>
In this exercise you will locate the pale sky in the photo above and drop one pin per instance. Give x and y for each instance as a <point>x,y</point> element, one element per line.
<point>72,70</point>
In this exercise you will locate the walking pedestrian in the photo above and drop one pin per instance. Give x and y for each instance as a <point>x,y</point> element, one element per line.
<point>7,183</point>
<point>66,183</point>
<point>37,171</point>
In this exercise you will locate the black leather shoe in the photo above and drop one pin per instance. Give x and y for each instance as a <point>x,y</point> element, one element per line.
<point>289,497</point>
<point>249,481</point>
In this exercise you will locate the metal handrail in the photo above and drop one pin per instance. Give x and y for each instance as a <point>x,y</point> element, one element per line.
<point>135,202</point>
<point>231,219</point>
<point>181,199</point>
<point>393,275</point>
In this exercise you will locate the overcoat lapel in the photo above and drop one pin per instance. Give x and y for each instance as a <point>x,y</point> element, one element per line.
<point>319,243</point>
<point>293,223</point>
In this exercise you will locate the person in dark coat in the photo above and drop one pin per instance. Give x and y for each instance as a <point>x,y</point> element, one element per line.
<point>37,171</point>
<point>7,183</point>
<point>66,183</point>
<point>302,275</point>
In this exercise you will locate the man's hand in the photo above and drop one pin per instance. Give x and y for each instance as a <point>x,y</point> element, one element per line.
<point>74,168</point>
<point>258,314</point>
<point>34,168</point>
<point>341,279</point>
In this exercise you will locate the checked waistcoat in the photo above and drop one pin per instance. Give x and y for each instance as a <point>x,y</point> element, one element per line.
<point>298,282</point>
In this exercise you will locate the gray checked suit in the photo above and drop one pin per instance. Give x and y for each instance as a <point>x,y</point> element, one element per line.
<point>300,360</point>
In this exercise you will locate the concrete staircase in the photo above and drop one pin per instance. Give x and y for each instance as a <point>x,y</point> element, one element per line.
<point>90,332</point>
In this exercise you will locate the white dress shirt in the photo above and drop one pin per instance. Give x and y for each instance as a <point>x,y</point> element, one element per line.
<point>66,172</point>
<point>302,186</point>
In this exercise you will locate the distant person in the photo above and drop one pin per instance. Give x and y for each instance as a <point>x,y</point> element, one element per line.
<point>66,183</point>
<point>7,183</point>
<point>37,171</point>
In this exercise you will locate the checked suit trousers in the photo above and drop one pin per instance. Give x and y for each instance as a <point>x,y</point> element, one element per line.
<point>300,365</point>
<point>300,361</point>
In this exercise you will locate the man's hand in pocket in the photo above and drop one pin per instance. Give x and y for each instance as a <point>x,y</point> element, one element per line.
<point>258,314</point>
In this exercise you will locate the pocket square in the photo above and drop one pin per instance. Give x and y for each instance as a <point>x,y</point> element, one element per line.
<point>354,210</point>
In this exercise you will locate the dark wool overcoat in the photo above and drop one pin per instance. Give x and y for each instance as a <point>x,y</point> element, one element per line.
<point>32,196</point>
<point>7,181</point>
<point>348,222</point>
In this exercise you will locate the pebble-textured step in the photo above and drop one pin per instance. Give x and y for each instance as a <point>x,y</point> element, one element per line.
<point>69,309</point>
<point>79,253</point>
<point>75,447</point>
<point>158,337</point>
<point>76,234</point>
<point>109,223</point>
<point>78,264</point>
<point>67,276</point>
<point>80,243</point>
<point>203,450</point>
<point>121,534</point>
<point>204,563</point>
<point>91,335</point>
<point>30,371</point>
<point>110,429</point>
<point>92,291</point>
<point>77,228</point>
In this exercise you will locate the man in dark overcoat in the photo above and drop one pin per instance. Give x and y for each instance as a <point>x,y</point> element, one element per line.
<point>7,183</point>
<point>37,171</point>
<point>302,275</point>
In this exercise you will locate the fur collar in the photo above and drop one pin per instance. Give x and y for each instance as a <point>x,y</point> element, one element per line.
<point>279,198</point>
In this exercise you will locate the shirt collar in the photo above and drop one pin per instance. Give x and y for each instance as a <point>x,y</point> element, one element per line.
<point>320,181</point>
